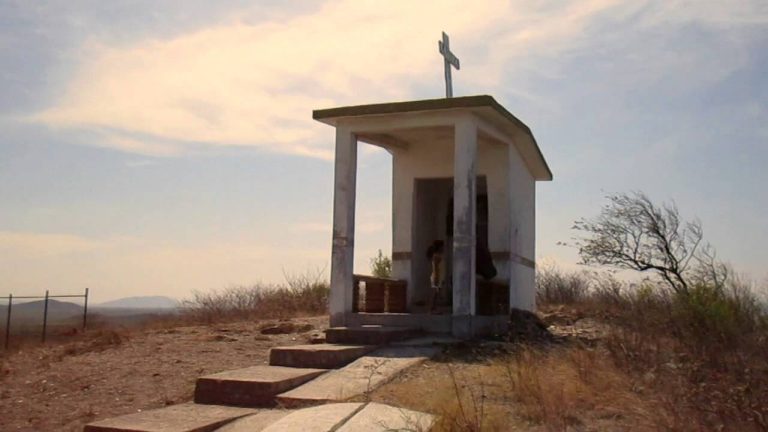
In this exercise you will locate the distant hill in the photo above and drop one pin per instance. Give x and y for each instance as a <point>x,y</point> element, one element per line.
<point>143,302</point>
<point>60,312</point>
<point>33,311</point>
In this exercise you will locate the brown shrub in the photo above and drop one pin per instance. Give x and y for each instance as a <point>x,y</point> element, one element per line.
<point>300,294</point>
<point>561,387</point>
<point>703,351</point>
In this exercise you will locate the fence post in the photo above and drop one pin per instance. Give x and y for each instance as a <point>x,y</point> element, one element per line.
<point>45,315</point>
<point>85,310</point>
<point>8,322</point>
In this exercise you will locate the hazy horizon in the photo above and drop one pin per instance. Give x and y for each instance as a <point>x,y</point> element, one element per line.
<point>156,148</point>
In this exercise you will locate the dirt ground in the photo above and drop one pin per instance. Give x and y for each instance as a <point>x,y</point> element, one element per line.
<point>565,383</point>
<point>63,387</point>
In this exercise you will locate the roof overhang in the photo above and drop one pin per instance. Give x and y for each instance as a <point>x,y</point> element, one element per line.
<point>484,107</point>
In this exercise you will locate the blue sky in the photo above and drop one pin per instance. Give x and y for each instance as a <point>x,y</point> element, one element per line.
<point>160,147</point>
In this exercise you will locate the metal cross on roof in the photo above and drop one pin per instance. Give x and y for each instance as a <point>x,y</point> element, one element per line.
<point>448,60</point>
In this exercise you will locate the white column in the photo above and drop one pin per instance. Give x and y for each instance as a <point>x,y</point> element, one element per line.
<point>343,250</point>
<point>464,216</point>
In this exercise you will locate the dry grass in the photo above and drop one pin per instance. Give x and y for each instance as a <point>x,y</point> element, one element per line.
<point>570,387</point>
<point>301,295</point>
<point>662,362</point>
<point>703,354</point>
<point>558,388</point>
<point>305,294</point>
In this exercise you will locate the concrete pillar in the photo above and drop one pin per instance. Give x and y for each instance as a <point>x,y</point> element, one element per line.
<point>464,216</point>
<point>343,249</point>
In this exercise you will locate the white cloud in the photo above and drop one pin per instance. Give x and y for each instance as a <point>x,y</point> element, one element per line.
<point>255,85</point>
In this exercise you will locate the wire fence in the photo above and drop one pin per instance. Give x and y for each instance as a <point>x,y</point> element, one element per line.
<point>46,298</point>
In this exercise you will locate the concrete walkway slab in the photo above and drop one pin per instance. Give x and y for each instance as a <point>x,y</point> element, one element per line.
<point>321,356</point>
<point>357,378</point>
<point>368,334</point>
<point>186,417</point>
<point>256,422</point>
<point>251,387</point>
<point>376,417</point>
<point>322,418</point>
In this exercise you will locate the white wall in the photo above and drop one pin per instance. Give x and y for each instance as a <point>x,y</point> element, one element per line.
<point>492,162</point>
<point>435,160</point>
<point>522,233</point>
<point>421,160</point>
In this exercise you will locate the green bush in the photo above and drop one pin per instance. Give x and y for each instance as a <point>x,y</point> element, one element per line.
<point>381,266</point>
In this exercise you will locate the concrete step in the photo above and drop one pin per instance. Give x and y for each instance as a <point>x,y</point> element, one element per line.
<point>321,356</point>
<point>341,417</point>
<point>376,417</point>
<point>186,417</point>
<point>255,386</point>
<point>316,419</point>
<point>357,378</point>
<point>256,422</point>
<point>369,334</point>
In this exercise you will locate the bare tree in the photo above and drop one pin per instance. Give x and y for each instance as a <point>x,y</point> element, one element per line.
<point>631,232</point>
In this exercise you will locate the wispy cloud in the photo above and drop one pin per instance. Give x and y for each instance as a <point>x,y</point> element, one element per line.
<point>255,85</point>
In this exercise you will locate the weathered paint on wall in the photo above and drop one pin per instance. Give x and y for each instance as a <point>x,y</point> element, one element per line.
<point>431,153</point>
<point>511,218</point>
<point>522,239</point>
<point>342,252</point>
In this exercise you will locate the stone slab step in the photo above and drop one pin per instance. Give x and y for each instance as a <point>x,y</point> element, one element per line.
<point>369,334</point>
<point>322,418</point>
<point>255,386</point>
<point>342,417</point>
<point>321,356</point>
<point>186,417</point>
<point>255,422</point>
<point>376,417</point>
<point>357,378</point>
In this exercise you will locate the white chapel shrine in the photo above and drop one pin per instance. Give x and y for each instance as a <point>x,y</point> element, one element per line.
<point>464,173</point>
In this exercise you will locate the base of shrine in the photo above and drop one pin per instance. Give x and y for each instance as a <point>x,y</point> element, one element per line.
<point>459,326</point>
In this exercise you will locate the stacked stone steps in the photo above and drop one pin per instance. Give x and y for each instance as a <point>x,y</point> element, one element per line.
<point>289,367</point>
<point>339,417</point>
<point>356,363</point>
<point>357,378</point>
<point>255,386</point>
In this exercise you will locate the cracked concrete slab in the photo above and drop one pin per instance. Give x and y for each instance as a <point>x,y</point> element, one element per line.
<point>256,422</point>
<point>376,417</point>
<point>321,418</point>
<point>188,417</point>
<point>357,378</point>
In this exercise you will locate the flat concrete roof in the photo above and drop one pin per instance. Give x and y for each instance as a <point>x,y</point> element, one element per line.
<point>484,102</point>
